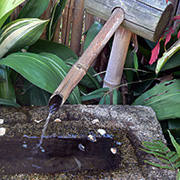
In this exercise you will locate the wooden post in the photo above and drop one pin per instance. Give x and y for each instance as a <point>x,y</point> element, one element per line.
<point>80,68</point>
<point>117,58</point>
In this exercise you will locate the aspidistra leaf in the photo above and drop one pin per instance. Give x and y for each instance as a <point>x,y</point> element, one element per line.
<point>33,9</point>
<point>20,33</point>
<point>45,71</point>
<point>6,8</point>
<point>55,14</point>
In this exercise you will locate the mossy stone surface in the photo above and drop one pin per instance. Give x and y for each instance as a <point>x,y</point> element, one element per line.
<point>129,125</point>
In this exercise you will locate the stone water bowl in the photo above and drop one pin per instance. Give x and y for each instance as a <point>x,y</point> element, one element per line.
<point>81,142</point>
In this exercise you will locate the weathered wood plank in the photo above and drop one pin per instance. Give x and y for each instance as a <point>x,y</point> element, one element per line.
<point>143,17</point>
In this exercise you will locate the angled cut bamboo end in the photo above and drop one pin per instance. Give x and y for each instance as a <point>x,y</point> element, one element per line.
<point>80,68</point>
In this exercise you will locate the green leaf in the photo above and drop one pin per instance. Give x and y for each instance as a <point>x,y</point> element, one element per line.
<point>60,50</point>
<point>20,33</point>
<point>55,14</point>
<point>175,144</point>
<point>115,97</point>
<point>135,61</point>
<point>88,80</point>
<point>45,71</point>
<point>157,165</point>
<point>6,8</point>
<point>107,99</point>
<point>94,94</point>
<point>174,158</point>
<point>163,98</point>
<point>101,102</point>
<point>6,87</point>
<point>38,97</point>
<point>177,165</point>
<point>170,153</point>
<point>178,176</point>
<point>7,102</point>
<point>91,34</point>
<point>33,8</point>
<point>162,61</point>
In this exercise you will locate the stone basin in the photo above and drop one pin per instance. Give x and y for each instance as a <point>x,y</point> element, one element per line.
<point>69,150</point>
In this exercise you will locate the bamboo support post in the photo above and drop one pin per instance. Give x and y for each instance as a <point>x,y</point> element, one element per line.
<point>80,68</point>
<point>117,58</point>
<point>77,26</point>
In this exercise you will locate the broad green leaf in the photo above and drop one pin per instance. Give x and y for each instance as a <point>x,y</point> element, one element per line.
<point>33,8</point>
<point>6,87</point>
<point>6,102</point>
<point>175,144</point>
<point>6,8</point>
<point>55,14</point>
<point>91,34</point>
<point>45,71</point>
<point>20,33</point>
<point>38,96</point>
<point>163,98</point>
<point>60,50</point>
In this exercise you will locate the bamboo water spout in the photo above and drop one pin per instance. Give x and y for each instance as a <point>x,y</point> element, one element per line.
<point>80,68</point>
<point>145,18</point>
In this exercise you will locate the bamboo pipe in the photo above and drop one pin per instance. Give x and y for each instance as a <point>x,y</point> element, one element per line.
<point>117,58</point>
<point>80,68</point>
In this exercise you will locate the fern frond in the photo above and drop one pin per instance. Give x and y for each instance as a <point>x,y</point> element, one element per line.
<point>175,144</point>
<point>157,165</point>
<point>177,165</point>
<point>170,153</point>
<point>162,152</point>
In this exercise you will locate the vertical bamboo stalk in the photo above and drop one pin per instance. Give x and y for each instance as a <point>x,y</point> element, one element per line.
<point>70,15</point>
<point>65,22</point>
<point>57,31</point>
<point>117,58</point>
<point>89,20</point>
<point>77,26</point>
<point>80,68</point>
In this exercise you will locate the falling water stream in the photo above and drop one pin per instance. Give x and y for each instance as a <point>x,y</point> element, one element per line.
<point>44,129</point>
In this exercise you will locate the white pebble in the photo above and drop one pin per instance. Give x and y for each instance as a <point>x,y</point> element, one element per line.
<point>113,150</point>
<point>94,121</point>
<point>92,138</point>
<point>81,147</point>
<point>57,120</point>
<point>101,132</point>
<point>2,131</point>
<point>1,121</point>
<point>38,121</point>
